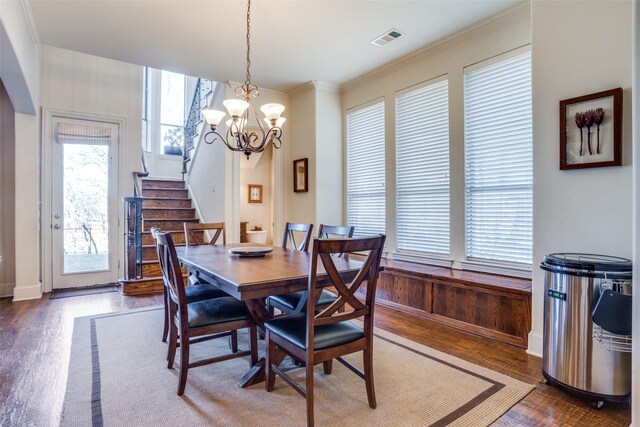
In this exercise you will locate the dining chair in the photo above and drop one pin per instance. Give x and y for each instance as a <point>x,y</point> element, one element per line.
<point>312,337</point>
<point>294,302</point>
<point>194,235</point>
<point>195,292</point>
<point>199,321</point>
<point>289,236</point>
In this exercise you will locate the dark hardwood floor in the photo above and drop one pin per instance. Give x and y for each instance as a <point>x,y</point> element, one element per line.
<point>35,341</point>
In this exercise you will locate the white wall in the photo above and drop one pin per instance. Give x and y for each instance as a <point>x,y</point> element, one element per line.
<point>260,173</point>
<point>579,210</point>
<point>301,207</point>
<point>328,150</point>
<point>81,83</point>
<point>27,207</point>
<point>7,195</point>
<point>206,175</point>
<point>19,56</point>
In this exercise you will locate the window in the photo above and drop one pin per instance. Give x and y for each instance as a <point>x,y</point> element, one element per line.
<point>365,169</point>
<point>498,159</point>
<point>172,107</point>
<point>422,169</point>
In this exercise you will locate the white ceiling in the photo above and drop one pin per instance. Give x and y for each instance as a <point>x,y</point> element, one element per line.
<point>292,41</point>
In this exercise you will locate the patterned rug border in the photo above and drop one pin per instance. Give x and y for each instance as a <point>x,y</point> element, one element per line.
<point>391,338</point>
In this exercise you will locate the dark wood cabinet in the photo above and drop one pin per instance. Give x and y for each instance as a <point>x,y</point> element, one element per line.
<point>493,306</point>
<point>243,231</point>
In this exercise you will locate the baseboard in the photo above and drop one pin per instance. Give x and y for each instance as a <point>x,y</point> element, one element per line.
<point>22,293</point>
<point>535,344</point>
<point>6,289</point>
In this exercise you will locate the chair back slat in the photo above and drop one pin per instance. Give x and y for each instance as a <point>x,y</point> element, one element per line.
<point>192,238</point>
<point>289,236</point>
<point>171,272</point>
<point>333,231</point>
<point>322,252</point>
<point>329,231</point>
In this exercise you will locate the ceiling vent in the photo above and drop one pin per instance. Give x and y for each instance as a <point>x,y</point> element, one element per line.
<point>387,37</point>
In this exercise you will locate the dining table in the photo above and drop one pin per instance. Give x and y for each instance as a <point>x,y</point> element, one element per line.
<point>252,279</point>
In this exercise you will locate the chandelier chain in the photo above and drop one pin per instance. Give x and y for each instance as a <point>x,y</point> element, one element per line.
<point>248,80</point>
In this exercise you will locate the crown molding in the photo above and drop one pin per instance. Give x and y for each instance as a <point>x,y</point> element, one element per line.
<point>25,7</point>
<point>316,84</point>
<point>302,88</point>
<point>328,87</point>
<point>510,15</point>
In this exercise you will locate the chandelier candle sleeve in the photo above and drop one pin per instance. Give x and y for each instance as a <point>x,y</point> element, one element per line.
<point>238,135</point>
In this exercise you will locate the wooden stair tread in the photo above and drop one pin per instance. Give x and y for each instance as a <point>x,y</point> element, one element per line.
<point>171,209</point>
<point>165,198</point>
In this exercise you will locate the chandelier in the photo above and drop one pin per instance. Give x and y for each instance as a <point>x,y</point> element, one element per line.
<point>239,136</point>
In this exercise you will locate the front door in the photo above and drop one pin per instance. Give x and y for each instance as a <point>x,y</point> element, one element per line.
<point>84,214</point>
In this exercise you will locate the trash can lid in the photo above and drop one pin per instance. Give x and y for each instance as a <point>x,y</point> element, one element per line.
<point>591,262</point>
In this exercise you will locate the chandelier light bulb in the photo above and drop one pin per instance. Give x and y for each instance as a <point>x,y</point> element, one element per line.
<point>213,117</point>
<point>272,111</point>
<point>236,107</point>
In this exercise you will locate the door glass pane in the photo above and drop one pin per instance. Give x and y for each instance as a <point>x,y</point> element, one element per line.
<point>86,220</point>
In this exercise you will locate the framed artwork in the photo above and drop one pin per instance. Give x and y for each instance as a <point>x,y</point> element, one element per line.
<point>591,130</point>
<point>255,193</point>
<point>300,176</point>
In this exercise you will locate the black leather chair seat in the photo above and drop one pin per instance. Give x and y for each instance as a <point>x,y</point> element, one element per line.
<point>202,292</point>
<point>291,300</point>
<point>217,310</point>
<point>293,329</point>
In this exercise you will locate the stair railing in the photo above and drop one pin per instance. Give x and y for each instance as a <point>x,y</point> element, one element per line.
<point>193,124</point>
<point>133,231</point>
<point>133,236</point>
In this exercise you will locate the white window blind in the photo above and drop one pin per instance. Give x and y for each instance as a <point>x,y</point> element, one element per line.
<point>498,160</point>
<point>422,169</point>
<point>365,170</point>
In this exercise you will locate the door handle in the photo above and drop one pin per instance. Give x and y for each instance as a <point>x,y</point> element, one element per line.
<point>56,226</point>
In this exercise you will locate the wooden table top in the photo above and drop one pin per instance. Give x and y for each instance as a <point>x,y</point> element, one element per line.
<point>279,272</point>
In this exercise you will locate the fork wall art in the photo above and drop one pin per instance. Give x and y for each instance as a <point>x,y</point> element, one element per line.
<point>591,130</point>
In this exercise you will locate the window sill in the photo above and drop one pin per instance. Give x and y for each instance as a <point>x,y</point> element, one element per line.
<point>419,258</point>
<point>503,269</point>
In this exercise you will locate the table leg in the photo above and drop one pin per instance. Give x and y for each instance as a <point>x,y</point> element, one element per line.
<point>258,310</point>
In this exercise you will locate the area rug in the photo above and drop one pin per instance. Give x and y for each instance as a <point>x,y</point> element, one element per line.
<point>118,377</point>
<point>85,290</point>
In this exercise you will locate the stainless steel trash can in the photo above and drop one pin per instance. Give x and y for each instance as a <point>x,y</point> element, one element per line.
<point>578,354</point>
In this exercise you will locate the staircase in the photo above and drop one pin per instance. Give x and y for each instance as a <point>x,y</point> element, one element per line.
<point>166,205</point>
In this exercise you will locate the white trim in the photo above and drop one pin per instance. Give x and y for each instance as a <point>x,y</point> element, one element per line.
<point>498,58</point>
<point>23,293</point>
<point>25,7</point>
<point>365,105</point>
<point>302,88</point>
<point>416,258</point>
<point>328,87</point>
<point>503,269</point>
<point>535,344</point>
<point>422,84</point>
<point>510,15</point>
<point>6,289</point>
<point>48,115</point>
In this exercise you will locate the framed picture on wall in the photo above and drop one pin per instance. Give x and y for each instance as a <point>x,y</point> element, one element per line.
<point>591,130</point>
<point>300,176</point>
<point>255,193</point>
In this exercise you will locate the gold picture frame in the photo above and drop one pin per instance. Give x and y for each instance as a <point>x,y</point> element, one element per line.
<point>255,193</point>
